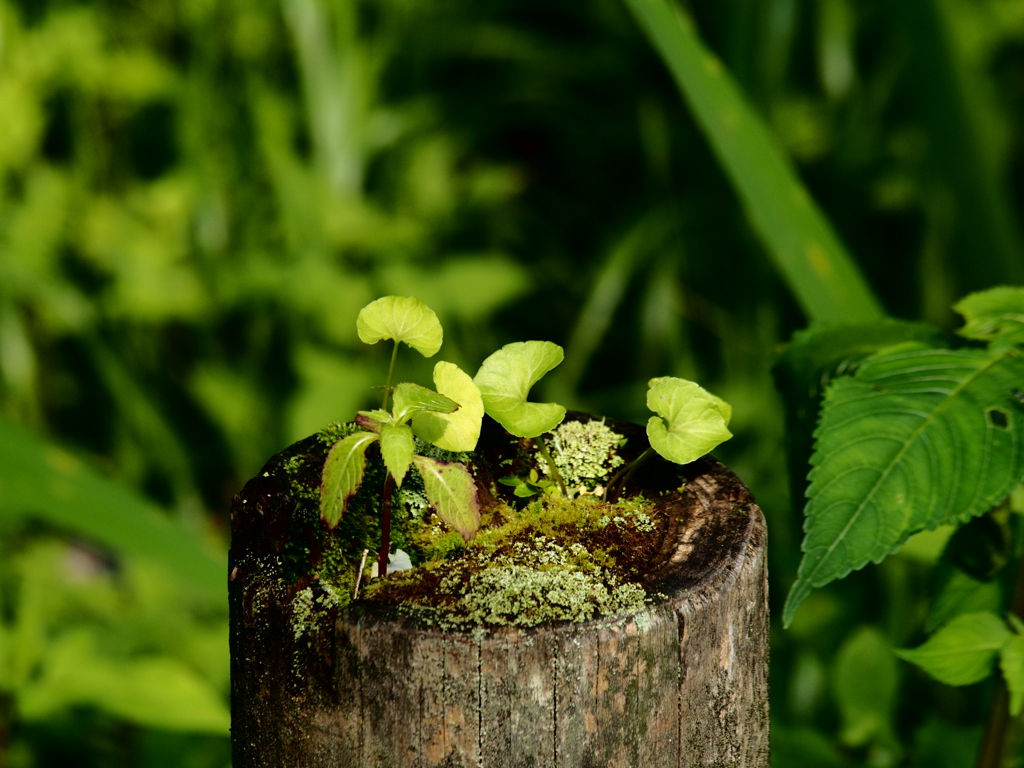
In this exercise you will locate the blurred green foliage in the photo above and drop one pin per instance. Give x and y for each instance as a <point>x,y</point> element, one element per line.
<point>197,196</point>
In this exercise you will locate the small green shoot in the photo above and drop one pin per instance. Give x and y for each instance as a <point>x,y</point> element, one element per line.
<point>505,379</point>
<point>690,422</point>
<point>533,485</point>
<point>449,487</point>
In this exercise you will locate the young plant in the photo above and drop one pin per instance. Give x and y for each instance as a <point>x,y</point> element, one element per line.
<point>449,418</point>
<point>690,421</point>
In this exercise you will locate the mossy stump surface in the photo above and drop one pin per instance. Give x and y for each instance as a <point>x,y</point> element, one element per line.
<point>681,682</point>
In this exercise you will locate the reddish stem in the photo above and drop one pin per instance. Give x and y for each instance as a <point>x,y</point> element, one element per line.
<point>385,527</point>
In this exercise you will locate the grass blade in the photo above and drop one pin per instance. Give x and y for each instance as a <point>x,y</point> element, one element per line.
<point>42,480</point>
<point>806,251</point>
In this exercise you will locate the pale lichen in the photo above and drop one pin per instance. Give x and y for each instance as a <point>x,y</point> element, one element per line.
<point>586,454</point>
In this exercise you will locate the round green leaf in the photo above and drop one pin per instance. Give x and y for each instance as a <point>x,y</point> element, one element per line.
<point>505,379</point>
<point>401,318</point>
<point>458,431</point>
<point>691,420</point>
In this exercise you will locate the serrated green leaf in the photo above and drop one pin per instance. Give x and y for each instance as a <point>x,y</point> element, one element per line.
<point>914,440</point>
<point>401,318</point>
<point>865,687</point>
<point>961,652</point>
<point>451,491</point>
<point>997,313</point>
<point>412,398</point>
<point>504,380</point>
<point>811,360</point>
<point>1011,662</point>
<point>691,420</point>
<point>342,475</point>
<point>458,431</point>
<point>396,448</point>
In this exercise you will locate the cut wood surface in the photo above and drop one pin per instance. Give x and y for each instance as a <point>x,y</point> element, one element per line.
<point>683,682</point>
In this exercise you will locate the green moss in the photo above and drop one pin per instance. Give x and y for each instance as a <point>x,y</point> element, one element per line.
<point>335,431</point>
<point>556,560</point>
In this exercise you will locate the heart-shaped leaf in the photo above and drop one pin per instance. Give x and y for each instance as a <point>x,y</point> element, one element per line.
<point>451,491</point>
<point>401,318</point>
<point>458,431</point>
<point>412,398</point>
<point>343,472</point>
<point>691,419</point>
<point>396,448</point>
<point>504,380</point>
<point>997,313</point>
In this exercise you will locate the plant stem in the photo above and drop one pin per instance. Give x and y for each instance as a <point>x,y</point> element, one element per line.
<point>551,463</point>
<point>1002,732</point>
<point>359,576</point>
<point>385,527</point>
<point>391,377</point>
<point>620,477</point>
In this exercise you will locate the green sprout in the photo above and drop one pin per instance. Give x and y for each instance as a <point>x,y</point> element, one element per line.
<point>449,418</point>
<point>689,422</point>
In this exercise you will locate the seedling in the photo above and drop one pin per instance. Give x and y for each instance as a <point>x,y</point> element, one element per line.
<point>689,422</point>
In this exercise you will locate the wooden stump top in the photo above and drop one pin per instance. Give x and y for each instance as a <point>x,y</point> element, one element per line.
<point>682,682</point>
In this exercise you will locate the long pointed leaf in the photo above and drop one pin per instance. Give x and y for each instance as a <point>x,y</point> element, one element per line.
<point>451,491</point>
<point>343,473</point>
<point>43,480</point>
<point>798,237</point>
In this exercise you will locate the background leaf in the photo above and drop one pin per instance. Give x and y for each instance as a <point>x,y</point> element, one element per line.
<point>997,313</point>
<point>156,691</point>
<point>961,652</point>
<point>42,480</point>
<point>878,473</point>
<point>806,251</point>
<point>1011,662</point>
<point>866,682</point>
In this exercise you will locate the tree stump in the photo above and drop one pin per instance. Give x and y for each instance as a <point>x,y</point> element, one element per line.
<point>683,682</point>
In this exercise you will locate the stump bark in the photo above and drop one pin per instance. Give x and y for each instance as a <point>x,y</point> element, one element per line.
<point>683,682</point>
